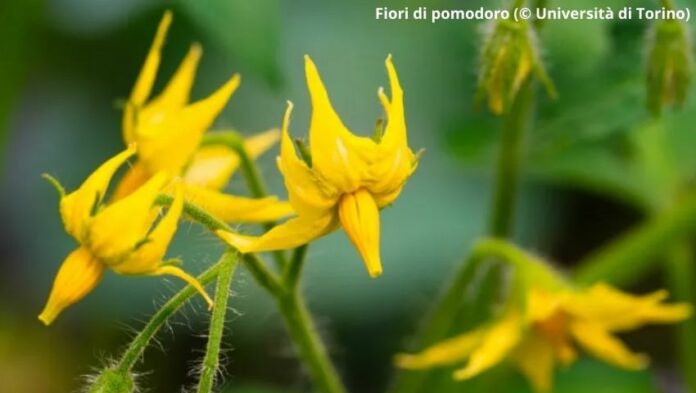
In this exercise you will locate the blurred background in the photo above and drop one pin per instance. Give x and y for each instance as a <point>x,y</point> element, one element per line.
<point>595,165</point>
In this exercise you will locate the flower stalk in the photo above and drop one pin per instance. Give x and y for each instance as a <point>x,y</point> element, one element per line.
<point>211,361</point>
<point>509,160</point>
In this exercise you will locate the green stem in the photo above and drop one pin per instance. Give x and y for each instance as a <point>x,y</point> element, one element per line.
<point>308,344</point>
<point>681,273</point>
<point>508,168</point>
<point>211,361</point>
<point>626,259</point>
<point>140,342</point>
<point>196,213</point>
<point>266,278</point>
<point>292,273</point>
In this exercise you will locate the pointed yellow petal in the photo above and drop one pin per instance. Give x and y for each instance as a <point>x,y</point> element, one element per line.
<point>258,144</point>
<point>452,350</point>
<point>76,208</point>
<point>135,177</point>
<point>308,193</point>
<point>395,130</point>
<point>143,85</point>
<point>116,230</point>
<point>497,342</point>
<point>170,144</point>
<point>337,154</point>
<point>211,167</point>
<point>176,95</point>
<point>146,79</point>
<point>360,219</point>
<point>292,233</point>
<point>177,272</point>
<point>148,256</point>
<point>396,162</point>
<point>77,276</point>
<point>596,340</point>
<point>232,208</point>
<point>620,311</point>
<point>534,357</point>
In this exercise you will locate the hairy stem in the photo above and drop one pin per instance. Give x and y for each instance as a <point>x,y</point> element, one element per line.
<point>140,342</point>
<point>211,361</point>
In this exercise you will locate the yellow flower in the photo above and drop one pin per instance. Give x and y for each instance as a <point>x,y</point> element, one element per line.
<point>121,235</point>
<point>168,131</point>
<point>547,331</point>
<point>347,179</point>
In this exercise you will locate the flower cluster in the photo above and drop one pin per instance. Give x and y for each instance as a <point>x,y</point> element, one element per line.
<point>346,180</point>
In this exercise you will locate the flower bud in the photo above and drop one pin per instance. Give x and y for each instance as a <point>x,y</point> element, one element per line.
<point>669,65</point>
<point>113,381</point>
<point>509,56</point>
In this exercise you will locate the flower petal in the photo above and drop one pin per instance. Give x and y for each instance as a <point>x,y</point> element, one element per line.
<point>232,208</point>
<point>292,233</point>
<point>340,157</point>
<point>212,166</point>
<point>170,145</point>
<point>308,193</point>
<point>77,276</point>
<point>534,357</point>
<point>176,95</point>
<point>396,162</point>
<point>116,230</point>
<point>177,272</point>
<point>596,340</point>
<point>359,216</point>
<point>497,342</point>
<point>147,258</point>
<point>619,311</point>
<point>449,351</point>
<point>146,79</point>
<point>77,207</point>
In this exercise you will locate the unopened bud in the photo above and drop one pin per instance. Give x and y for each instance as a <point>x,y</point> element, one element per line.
<point>669,65</point>
<point>509,56</point>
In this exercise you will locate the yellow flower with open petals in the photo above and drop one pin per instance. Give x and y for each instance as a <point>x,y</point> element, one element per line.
<point>121,235</point>
<point>168,131</point>
<point>346,181</point>
<point>547,331</point>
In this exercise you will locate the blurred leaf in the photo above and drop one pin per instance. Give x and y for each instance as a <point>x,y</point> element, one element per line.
<point>249,30</point>
<point>17,31</point>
